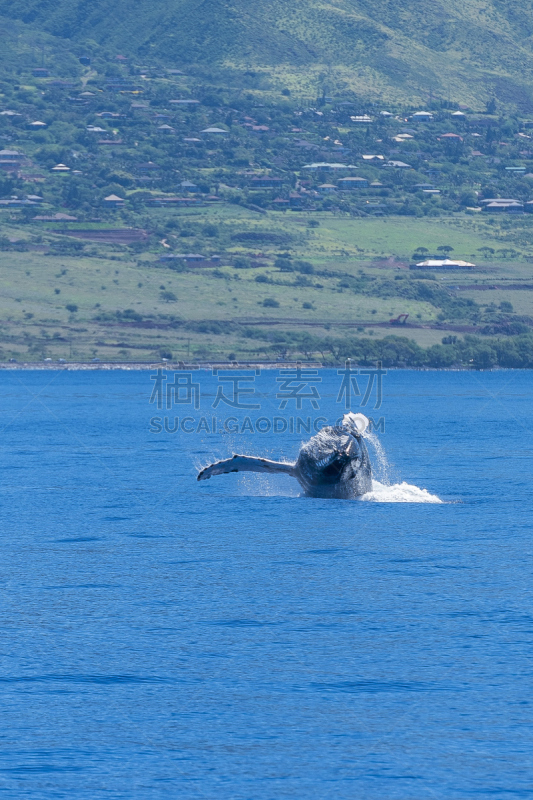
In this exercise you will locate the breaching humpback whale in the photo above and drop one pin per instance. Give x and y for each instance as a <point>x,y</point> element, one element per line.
<point>334,463</point>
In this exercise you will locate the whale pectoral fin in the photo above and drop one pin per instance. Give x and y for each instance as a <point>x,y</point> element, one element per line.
<point>245,464</point>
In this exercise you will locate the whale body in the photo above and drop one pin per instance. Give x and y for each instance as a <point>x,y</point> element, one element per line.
<point>333,464</point>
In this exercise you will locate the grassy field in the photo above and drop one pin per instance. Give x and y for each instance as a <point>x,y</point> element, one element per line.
<point>204,312</point>
<point>343,239</point>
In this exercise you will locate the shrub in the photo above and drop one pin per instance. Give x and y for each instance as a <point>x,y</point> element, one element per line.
<point>269,302</point>
<point>305,267</point>
<point>130,314</point>
<point>168,297</point>
<point>72,307</point>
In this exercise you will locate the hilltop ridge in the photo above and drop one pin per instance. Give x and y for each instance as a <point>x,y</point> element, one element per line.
<point>467,52</point>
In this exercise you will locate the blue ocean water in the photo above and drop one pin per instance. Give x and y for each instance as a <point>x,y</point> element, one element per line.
<point>230,639</point>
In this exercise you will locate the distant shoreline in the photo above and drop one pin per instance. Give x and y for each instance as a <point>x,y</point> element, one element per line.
<point>113,366</point>
<point>74,366</point>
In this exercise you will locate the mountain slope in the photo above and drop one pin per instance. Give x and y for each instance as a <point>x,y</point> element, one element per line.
<point>466,50</point>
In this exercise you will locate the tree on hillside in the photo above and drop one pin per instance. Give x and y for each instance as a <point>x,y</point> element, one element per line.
<point>468,198</point>
<point>445,248</point>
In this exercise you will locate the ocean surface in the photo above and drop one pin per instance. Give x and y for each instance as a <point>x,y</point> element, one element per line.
<point>164,638</point>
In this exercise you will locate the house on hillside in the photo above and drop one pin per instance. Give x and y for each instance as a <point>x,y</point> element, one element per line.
<point>444,264</point>
<point>147,167</point>
<point>113,201</point>
<point>17,202</point>
<point>32,177</point>
<point>10,161</point>
<point>507,206</point>
<point>305,145</point>
<point>323,166</point>
<point>353,183</point>
<point>11,155</point>
<point>397,165</point>
<point>421,116</point>
<point>40,72</point>
<point>60,169</point>
<point>214,132</point>
<point>426,188</point>
<point>487,200</point>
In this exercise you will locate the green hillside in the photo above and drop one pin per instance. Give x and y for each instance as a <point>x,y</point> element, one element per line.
<point>465,51</point>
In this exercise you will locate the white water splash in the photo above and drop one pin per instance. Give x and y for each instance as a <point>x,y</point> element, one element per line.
<point>383,490</point>
<point>380,463</point>
<point>399,493</point>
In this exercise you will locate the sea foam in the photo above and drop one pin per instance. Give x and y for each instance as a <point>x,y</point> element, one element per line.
<point>399,493</point>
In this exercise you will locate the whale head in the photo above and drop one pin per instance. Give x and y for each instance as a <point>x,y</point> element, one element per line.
<point>335,462</point>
